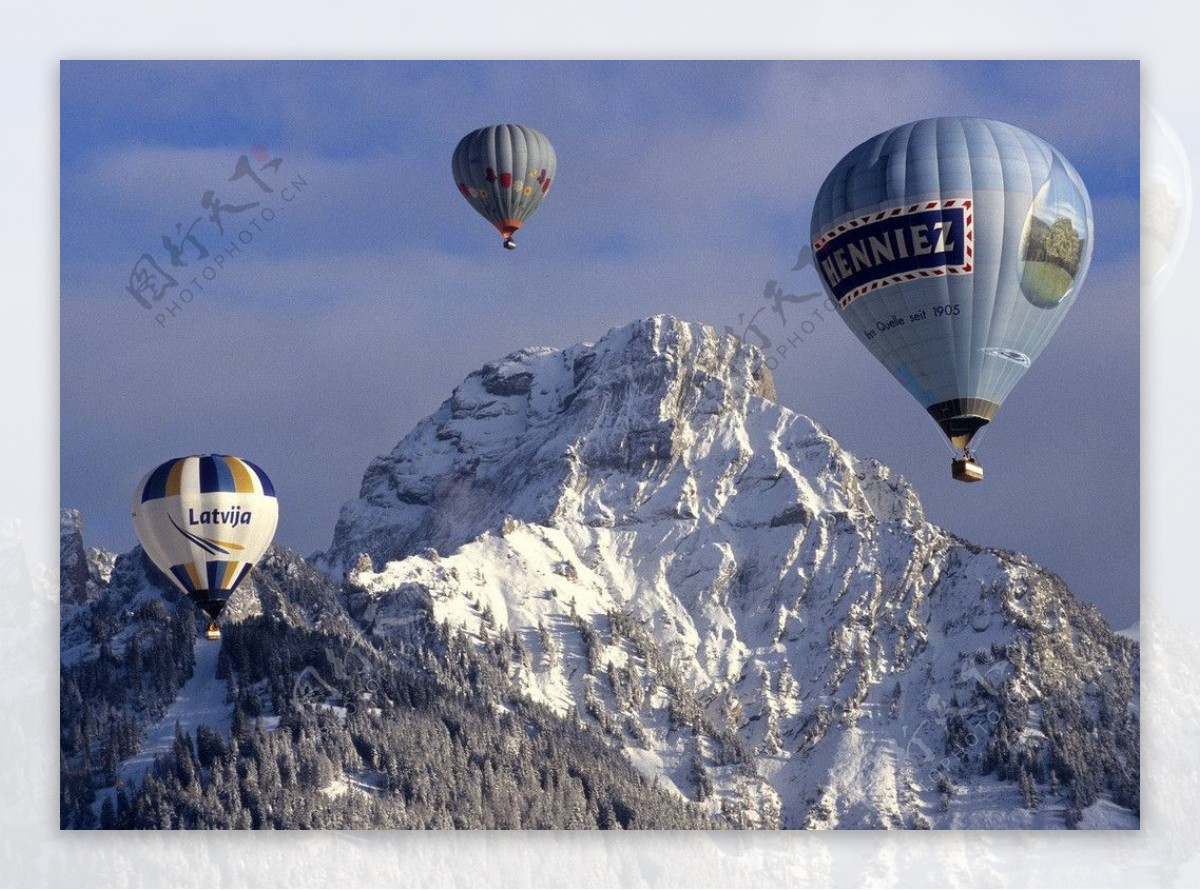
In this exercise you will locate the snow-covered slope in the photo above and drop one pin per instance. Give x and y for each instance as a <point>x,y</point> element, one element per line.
<point>202,700</point>
<point>754,614</point>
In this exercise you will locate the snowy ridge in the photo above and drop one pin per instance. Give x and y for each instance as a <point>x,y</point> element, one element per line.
<point>633,534</point>
<point>467,467</point>
<point>753,613</point>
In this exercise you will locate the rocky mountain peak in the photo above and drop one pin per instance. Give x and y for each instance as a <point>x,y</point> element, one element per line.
<point>597,433</point>
<point>713,581</point>
<point>637,538</point>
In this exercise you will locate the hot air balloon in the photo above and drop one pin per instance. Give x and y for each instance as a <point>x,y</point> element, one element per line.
<point>205,520</point>
<point>504,171</point>
<point>953,247</point>
<point>1166,203</point>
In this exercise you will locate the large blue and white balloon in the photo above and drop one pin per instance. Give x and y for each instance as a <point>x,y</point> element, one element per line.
<point>953,247</point>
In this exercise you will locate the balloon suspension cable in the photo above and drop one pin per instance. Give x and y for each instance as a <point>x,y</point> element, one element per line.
<point>941,434</point>
<point>978,437</point>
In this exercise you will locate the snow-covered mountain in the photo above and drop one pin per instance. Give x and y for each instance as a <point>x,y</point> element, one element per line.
<point>593,563</point>
<point>752,613</point>
<point>82,572</point>
<point>296,721</point>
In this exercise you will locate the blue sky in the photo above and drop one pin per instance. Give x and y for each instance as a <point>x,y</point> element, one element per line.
<point>682,188</point>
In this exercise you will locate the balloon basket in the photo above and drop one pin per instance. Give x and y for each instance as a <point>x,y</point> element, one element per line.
<point>966,469</point>
<point>212,632</point>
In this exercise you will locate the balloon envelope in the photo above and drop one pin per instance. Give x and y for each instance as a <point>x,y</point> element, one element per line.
<point>205,520</point>
<point>953,247</point>
<point>504,171</point>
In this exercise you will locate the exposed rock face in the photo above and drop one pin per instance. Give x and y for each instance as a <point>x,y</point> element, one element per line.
<point>82,573</point>
<point>752,612</point>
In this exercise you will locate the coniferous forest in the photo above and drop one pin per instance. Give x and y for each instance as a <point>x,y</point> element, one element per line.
<point>327,732</point>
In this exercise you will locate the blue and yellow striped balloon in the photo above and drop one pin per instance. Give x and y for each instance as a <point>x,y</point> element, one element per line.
<point>953,247</point>
<point>205,520</point>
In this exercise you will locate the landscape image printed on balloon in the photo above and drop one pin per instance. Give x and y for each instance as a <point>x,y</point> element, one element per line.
<point>1054,242</point>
